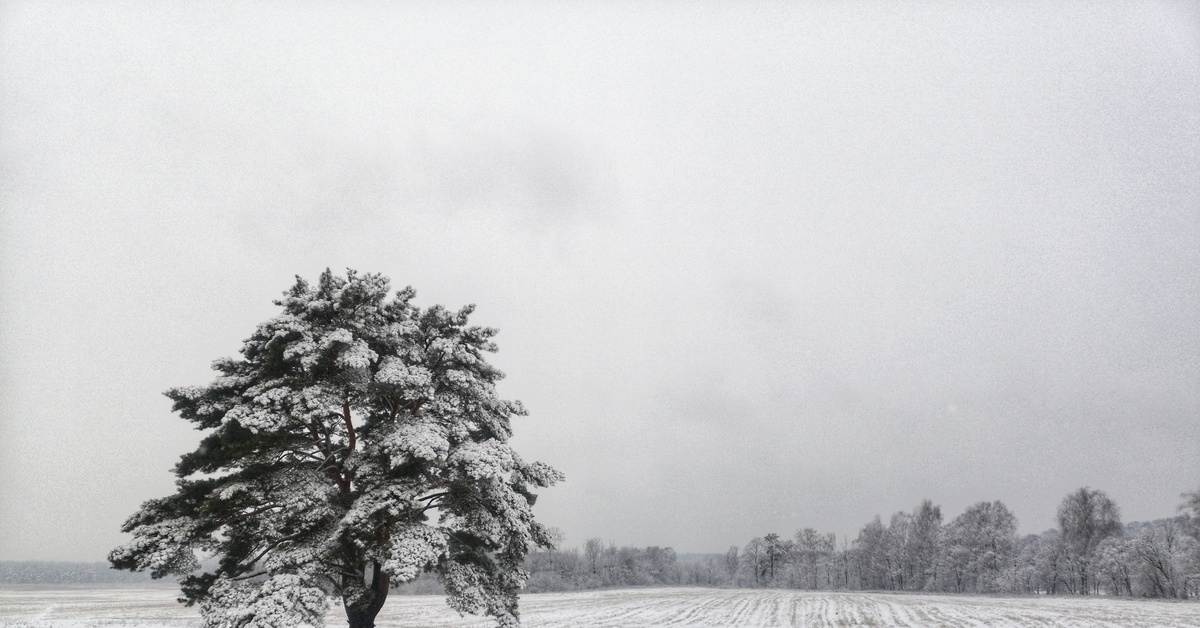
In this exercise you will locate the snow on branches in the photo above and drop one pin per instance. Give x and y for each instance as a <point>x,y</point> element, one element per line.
<point>282,601</point>
<point>357,442</point>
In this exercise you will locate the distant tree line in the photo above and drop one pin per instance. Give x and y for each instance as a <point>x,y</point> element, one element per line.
<point>601,565</point>
<point>56,572</point>
<point>979,551</point>
<point>1090,553</point>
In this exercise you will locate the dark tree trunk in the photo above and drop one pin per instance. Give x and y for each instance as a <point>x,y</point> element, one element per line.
<point>364,616</point>
<point>359,619</point>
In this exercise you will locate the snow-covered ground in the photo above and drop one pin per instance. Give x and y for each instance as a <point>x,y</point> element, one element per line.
<point>144,607</point>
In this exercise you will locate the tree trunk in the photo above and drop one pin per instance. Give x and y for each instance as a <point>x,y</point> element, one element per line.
<point>359,618</point>
<point>364,616</point>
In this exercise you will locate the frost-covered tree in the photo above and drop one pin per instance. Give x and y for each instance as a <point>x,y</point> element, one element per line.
<point>980,543</point>
<point>813,554</point>
<point>1086,517</point>
<point>777,552</point>
<point>1166,560</point>
<point>924,544</point>
<point>754,561</point>
<point>896,552</point>
<point>731,562</point>
<point>870,554</point>
<point>357,442</point>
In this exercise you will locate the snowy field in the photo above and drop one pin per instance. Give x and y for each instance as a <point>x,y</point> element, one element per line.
<point>143,607</point>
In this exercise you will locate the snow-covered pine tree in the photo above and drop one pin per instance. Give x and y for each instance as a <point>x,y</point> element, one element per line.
<point>356,443</point>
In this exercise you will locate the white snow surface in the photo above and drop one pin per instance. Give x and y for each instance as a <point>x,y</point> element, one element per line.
<point>145,607</point>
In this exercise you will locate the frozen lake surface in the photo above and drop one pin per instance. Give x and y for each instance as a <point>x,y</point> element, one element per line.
<point>144,607</point>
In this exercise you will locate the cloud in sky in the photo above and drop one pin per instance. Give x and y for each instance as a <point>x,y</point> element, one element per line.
<point>756,267</point>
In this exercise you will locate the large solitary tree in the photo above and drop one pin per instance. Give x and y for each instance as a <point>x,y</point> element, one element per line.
<point>357,442</point>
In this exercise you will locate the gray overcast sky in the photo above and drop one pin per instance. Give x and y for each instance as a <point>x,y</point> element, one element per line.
<point>755,266</point>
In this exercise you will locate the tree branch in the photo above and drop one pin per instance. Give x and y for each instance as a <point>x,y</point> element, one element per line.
<point>342,483</point>
<point>272,546</point>
<point>350,438</point>
<point>248,576</point>
<point>241,516</point>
